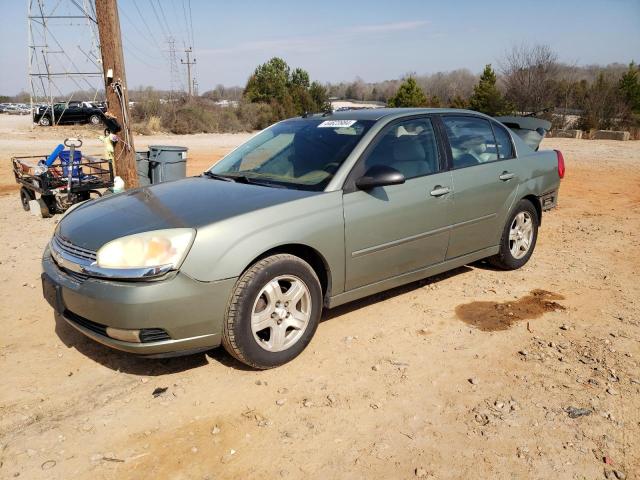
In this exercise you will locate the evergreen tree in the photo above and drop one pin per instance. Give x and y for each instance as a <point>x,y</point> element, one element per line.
<point>486,97</point>
<point>289,93</point>
<point>459,102</point>
<point>629,87</point>
<point>269,81</point>
<point>409,94</point>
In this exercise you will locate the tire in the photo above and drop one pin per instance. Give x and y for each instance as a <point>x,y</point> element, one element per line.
<point>25,197</point>
<point>518,237</point>
<point>50,202</point>
<point>45,212</point>
<point>260,300</point>
<point>45,121</point>
<point>95,120</point>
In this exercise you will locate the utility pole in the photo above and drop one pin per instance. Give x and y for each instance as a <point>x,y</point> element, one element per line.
<point>188,63</point>
<point>116,88</point>
<point>195,86</point>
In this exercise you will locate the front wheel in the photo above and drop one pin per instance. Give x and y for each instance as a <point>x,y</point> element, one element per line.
<point>273,313</point>
<point>95,120</point>
<point>45,121</point>
<point>518,237</point>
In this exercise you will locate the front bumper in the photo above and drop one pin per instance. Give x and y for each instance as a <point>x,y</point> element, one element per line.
<point>190,312</point>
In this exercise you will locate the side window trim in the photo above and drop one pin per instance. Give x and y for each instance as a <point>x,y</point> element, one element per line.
<point>494,126</point>
<point>349,183</point>
<point>447,163</point>
<point>449,151</point>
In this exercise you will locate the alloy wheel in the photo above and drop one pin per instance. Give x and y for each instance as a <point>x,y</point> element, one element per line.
<point>281,313</point>
<point>521,235</point>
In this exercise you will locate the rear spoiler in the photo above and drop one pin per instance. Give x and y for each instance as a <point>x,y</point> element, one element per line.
<point>532,130</point>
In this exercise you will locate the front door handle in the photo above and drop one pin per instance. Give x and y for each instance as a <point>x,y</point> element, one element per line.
<point>506,176</point>
<point>439,191</point>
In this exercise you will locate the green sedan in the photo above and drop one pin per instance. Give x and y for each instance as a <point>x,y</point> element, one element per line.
<point>311,213</point>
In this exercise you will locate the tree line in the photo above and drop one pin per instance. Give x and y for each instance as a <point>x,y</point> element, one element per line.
<point>528,79</point>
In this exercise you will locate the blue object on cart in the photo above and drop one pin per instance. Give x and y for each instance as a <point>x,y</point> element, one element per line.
<point>54,155</point>
<point>76,171</point>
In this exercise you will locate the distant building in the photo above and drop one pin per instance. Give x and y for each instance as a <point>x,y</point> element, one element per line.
<point>338,105</point>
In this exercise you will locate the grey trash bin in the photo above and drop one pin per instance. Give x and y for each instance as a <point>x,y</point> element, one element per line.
<point>167,163</point>
<point>142,165</point>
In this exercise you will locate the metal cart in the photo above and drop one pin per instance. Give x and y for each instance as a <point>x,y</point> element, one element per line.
<point>59,186</point>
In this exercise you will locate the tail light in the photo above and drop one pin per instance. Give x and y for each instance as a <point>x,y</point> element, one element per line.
<point>561,168</point>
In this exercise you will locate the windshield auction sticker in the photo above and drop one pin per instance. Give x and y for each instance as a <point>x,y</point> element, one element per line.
<point>337,123</point>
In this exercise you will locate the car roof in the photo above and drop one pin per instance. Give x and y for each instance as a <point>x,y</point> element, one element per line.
<point>380,113</point>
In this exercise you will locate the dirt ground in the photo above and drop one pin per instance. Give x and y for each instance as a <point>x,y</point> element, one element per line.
<point>473,374</point>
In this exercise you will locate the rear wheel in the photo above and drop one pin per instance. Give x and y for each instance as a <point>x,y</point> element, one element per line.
<point>518,237</point>
<point>26,196</point>
<point>273,313</point>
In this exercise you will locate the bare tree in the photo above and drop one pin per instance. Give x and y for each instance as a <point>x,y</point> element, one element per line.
<point>357,90</point>
<point>528,73</point>
<point>448,85</point>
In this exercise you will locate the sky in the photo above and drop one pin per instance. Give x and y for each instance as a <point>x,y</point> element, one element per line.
<point>333,40</point>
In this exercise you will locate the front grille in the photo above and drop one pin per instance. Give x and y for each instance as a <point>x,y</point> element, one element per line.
<point>71,249</point>
<point>88,324</point>
<point>153,335</point>
<point>147,335</point>
<point>78,277</point>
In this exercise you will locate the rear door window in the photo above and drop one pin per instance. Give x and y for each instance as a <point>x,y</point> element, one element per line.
<point>505,147</point>
<point>471,140</point>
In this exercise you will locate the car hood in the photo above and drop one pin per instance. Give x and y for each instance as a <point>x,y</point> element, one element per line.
<point>191,202</point>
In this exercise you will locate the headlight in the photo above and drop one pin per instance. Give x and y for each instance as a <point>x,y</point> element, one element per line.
<point>149,249</point>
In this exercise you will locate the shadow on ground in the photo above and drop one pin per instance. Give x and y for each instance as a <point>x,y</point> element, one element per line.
<point>137,365</point>
<point>394,292</point>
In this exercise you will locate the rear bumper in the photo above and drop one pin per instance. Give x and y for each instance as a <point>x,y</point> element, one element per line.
<point>549,200</point>
<point>190,312</point>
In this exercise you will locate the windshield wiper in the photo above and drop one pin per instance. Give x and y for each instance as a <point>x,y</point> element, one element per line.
<point>218,177</point>
<point>253,181</point>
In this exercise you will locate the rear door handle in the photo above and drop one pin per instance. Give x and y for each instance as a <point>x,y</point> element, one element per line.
<point>439,191</point>
<point>506,176</point>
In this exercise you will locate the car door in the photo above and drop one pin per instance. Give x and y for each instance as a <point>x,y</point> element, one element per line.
<point>59,113</point>
<point>397,229</point>
<point>485,182</point>
<point>73,113</point>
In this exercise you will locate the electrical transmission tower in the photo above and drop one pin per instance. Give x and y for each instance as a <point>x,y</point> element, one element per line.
<point>174,78</point>
<point>59,59</point>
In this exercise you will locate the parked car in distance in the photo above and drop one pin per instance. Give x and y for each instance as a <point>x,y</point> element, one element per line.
<point>311,213</point>
<point>14,109</point>
<point>71,112</point>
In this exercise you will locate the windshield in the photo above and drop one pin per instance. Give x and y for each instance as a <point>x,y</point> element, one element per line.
<point>297,153</point>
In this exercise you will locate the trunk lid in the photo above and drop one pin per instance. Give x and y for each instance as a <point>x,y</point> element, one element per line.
<point>530,129</point>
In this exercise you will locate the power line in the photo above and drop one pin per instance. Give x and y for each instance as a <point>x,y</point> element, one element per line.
<point>155,12</point>
<point>164,17</point>
<point>135,4</point>
<point>145,37</point>
<point>191,23</point>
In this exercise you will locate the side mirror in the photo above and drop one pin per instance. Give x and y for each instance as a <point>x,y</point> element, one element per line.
<point>379,176</point>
